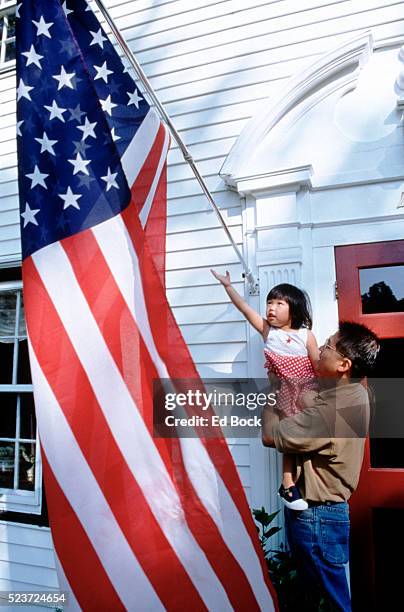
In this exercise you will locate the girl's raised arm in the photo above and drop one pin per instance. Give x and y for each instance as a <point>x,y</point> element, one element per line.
<point>255,319</point>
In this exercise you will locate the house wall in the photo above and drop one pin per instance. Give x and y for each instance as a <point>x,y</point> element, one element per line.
<point>213,64</point>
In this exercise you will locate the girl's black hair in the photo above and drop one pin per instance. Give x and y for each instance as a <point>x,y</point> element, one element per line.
<point>299,304</point>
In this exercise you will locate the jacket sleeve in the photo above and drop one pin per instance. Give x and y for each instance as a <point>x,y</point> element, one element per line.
<point>308,431</point>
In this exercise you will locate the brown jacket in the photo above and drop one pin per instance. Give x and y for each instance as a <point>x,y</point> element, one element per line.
<point>327,439</point>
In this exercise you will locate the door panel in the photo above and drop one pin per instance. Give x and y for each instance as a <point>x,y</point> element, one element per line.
<point>370,280</point>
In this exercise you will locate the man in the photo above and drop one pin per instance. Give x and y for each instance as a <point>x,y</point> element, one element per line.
<point>327,438</point>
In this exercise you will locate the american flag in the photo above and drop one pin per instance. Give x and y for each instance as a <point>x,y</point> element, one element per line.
<point>138,522</point>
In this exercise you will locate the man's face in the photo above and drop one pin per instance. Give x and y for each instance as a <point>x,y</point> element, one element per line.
<point>331,362</point>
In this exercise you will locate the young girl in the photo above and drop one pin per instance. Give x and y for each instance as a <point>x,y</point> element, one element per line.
<point>291,354</point>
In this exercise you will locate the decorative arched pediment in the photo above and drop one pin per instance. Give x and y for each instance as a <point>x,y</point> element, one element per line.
<point>333,123</point>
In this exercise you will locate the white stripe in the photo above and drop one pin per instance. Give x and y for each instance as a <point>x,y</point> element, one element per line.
<point>146,208</point>
<point>220,506</point>
<point>115,242</point>
<point>86,498</point>
<point>72,603</point>
<point>135,442</point>
<point>139,148</point>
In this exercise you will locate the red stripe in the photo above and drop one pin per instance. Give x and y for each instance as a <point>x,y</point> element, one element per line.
<point>127,347</point>
<point>156,226</point>
<point>142,185</point>
<point>94,437</point>
<point>97,591</point>
<point>169,341</point>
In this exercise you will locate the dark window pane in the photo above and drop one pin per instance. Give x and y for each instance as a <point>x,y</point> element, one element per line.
<point>382,289</point>
<point>10,274</point>
<point>28,420</point>
<point>23,371</point>
<point>10,26</point>
<point>6,465</point>
<point>27,467</point>
<point>6,363</point>
<point>8,303</point>
<point>10,51</point>
<point>387,452</point>
<point>8,403</point>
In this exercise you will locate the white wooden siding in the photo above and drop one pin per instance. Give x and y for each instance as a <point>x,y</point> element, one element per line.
<point>27,561</point>
<point>213,63</point>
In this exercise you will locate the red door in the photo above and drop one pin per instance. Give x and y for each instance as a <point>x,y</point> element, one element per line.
<point>370,281</point>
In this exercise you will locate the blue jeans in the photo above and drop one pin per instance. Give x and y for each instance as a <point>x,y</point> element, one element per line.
<point>319,541</point>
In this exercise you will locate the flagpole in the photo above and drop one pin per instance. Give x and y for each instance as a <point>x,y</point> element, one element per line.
<point>187,156</point>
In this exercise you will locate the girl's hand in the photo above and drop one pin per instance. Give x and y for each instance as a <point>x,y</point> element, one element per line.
<point>225,280</point>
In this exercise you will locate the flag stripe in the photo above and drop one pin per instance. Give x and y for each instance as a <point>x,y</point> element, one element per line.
<point>127,274</point>
<point>87,502</point>
<point>85,257</point>
<point>141,454</point>
<point>182,367</point>
<point>72,604</point>
<point>155,171</point>
<point>156,226</point>
<point>139,148</point>
<point>123,496</point>
<point>99,589</point>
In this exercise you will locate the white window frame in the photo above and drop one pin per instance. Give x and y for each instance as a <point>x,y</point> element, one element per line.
<point>7,7</point>
<point>19,500</point>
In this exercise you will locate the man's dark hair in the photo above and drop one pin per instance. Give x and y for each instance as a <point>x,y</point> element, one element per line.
<point>359,344</point>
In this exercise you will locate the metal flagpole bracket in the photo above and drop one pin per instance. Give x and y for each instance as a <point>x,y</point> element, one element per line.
<point>253,283</point>
<point>187,156</point>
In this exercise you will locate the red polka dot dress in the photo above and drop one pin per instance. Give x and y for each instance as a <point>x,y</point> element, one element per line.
<point>287,358</point>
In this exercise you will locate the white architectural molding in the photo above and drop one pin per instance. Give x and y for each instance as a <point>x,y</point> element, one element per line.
<point>348,58</point>
<point>292,178</point>
<point>399,85</point>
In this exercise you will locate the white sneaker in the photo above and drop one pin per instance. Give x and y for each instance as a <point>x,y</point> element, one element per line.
<point>292,499</point>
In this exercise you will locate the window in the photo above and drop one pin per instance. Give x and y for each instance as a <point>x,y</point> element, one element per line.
<point>20,469</point>
<point>7,33</point>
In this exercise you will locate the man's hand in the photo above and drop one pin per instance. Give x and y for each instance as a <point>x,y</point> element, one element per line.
<point>225,280</point>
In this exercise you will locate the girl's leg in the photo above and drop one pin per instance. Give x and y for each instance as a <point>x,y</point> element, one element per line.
<point>287,479</point>
<point>288,492</point>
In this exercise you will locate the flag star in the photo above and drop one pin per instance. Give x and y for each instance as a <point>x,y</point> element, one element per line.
<point>85,181</point>
<point>115,137</point>
<point>70,199</point>
<point>79,164</point>
<point>56,111</point>
<point>33,57</point>
<point>23,90</point>
<point>19,124</point>
<point>37,178</point>
<point>29,215</point>
<point>43,27</point>
<point>134,98</point>
<point>67,46</point>
<point>17,9</point>
<point>88,6</point>
<point>64,78</point>
<point>87,129</point>
<point>65,9</point>
<point>76,113</point>
<point>46,144</point>
<point>107,105</point>
<point>98,38</point>
<point>80,146</point>
<point>109,178</point>
<point>102,72</point>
